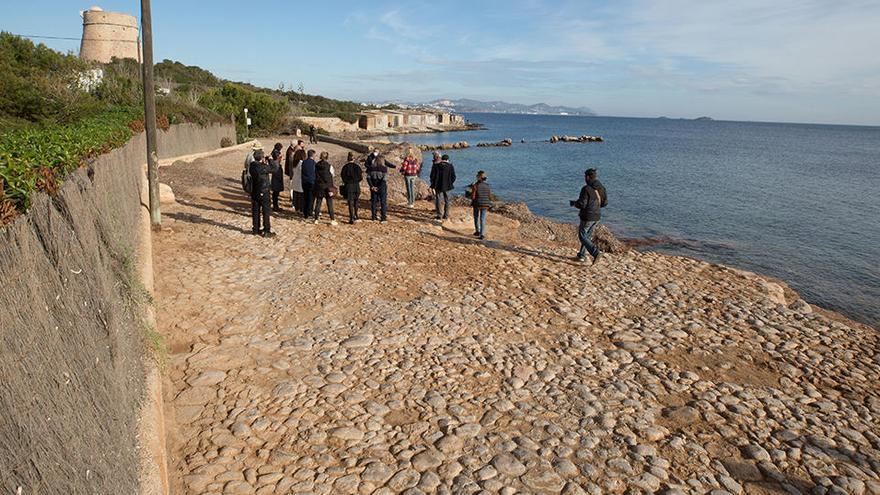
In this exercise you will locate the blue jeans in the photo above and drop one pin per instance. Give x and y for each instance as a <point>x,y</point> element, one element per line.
<point>410,189</point>
<point>480,220</point>
<point>585,234</point>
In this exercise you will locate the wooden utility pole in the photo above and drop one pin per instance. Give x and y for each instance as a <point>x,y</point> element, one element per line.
<point>150,113</point>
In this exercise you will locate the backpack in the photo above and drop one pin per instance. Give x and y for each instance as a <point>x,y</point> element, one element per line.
<point>247,183</point>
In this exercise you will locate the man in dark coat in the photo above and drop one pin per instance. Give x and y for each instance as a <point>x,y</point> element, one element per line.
<point>313,135</point>
<point>442,181</point>
<point>377,175</point>
<point>590,203</point>
<point>308,183</point>
<point>277,177</point>
<point>352,175</point>
<point>261,179</point>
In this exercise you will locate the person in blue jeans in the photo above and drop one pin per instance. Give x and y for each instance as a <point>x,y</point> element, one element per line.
<point>481,200</point>
<point>590,203</point>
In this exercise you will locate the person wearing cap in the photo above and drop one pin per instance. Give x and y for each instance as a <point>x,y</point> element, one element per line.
<point>442,181</point>
<point>590,203</point>
<point>261,177</point>
<point>352,176</point>
<point>481,200</point>
<point>277,176</point>
<point>250,156</point>
<point>370,157</point>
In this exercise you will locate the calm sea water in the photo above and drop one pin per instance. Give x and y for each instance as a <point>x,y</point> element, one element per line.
<point>795,201</point>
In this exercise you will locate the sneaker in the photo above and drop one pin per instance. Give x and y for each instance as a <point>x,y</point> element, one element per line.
<point>476,234</point>
<point>580,259</point>
<point>317,221</point>
<point>482,237</point>
<point>597,259</point>
<point>255,232</point>
<point>410,206</point>
<point>437,217</point>
<point>383,220</point>
<point>334,222</point>
<point>269,234</point>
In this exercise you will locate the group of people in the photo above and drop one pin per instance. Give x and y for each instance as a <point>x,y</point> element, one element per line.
<point>312,183</point>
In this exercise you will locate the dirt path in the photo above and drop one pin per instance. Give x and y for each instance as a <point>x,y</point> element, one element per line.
<point>409,357</point>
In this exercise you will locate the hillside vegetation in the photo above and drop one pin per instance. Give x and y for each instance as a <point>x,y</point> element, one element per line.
<point>55,114</point>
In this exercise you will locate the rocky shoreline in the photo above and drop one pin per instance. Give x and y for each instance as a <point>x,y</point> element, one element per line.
<point>408,357</point>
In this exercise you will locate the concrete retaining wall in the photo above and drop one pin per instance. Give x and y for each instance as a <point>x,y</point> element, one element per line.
<point>72,347</point>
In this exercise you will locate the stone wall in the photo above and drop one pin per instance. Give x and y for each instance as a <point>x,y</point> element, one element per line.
<point>72,341</point>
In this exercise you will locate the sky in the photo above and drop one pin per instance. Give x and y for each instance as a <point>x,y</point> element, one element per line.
<point>756,60</point>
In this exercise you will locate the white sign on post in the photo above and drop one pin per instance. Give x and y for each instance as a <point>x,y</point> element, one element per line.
<point>248,121</point>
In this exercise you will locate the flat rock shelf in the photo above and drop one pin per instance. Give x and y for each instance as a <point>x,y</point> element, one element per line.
<point>408,357</point>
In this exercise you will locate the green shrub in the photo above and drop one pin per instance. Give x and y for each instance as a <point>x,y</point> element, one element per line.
<point>38,84</point>
<point>266,112</point>
<point>26,154</point>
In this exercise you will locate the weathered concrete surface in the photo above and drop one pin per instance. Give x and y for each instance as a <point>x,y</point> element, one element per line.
<point>407,357</point>
<point>71,328</point>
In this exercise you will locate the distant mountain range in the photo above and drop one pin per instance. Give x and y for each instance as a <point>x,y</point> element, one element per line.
<point>465,105</point>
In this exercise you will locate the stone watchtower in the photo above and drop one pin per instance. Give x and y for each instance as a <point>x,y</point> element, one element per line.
<point>107,35</point>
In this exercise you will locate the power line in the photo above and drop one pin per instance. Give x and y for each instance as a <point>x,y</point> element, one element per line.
<point>34,36</point>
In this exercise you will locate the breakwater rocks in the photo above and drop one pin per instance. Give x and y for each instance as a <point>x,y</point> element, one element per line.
<point>502,143</point>
<point>576,139</point>
<point>445,146</point>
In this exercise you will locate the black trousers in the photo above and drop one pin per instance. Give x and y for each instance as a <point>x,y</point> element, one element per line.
<point>308,199</point>
<point>275,195</point>
<point>329,207</point>
<point>379,200</point>
<point>260,210</point>
<point>352,199</point>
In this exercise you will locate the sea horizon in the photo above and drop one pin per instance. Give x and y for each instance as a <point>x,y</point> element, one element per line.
<point>775,241</point>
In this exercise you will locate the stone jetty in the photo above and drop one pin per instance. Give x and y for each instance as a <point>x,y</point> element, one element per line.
<point>503,143</point>
<point>576,139</point>
<point>445,146</point>
<point>408,357</point>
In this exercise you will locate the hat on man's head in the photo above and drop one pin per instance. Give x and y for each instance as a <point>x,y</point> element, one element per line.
<point>257,146</point>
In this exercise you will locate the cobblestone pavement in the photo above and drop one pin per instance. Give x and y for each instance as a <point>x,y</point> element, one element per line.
<point>407,357</point>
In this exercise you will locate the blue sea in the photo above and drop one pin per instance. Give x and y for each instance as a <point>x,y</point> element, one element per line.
<point>800,202</point>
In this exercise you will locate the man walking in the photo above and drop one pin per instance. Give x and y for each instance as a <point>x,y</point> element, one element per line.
<point>308,183</point>
<point>313,135</point>
<point>442,181</point>
<point>261,180</point>
<point>590,203</point>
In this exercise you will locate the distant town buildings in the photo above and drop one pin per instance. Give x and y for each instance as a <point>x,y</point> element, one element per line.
<point>107,35</point>
<point>378,120</point>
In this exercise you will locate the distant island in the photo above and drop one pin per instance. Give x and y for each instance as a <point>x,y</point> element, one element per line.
<point>475,106</point>
<point>704,118</point>
<point>465,105</point>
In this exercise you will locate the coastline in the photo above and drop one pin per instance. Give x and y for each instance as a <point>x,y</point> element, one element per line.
<point>564,233</point>
<point>414,333</point>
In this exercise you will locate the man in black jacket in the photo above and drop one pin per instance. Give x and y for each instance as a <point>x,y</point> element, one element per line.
<point>590,203</point>
<point>442,181</point>
<point>261,179</point>
<point>352,176</point>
